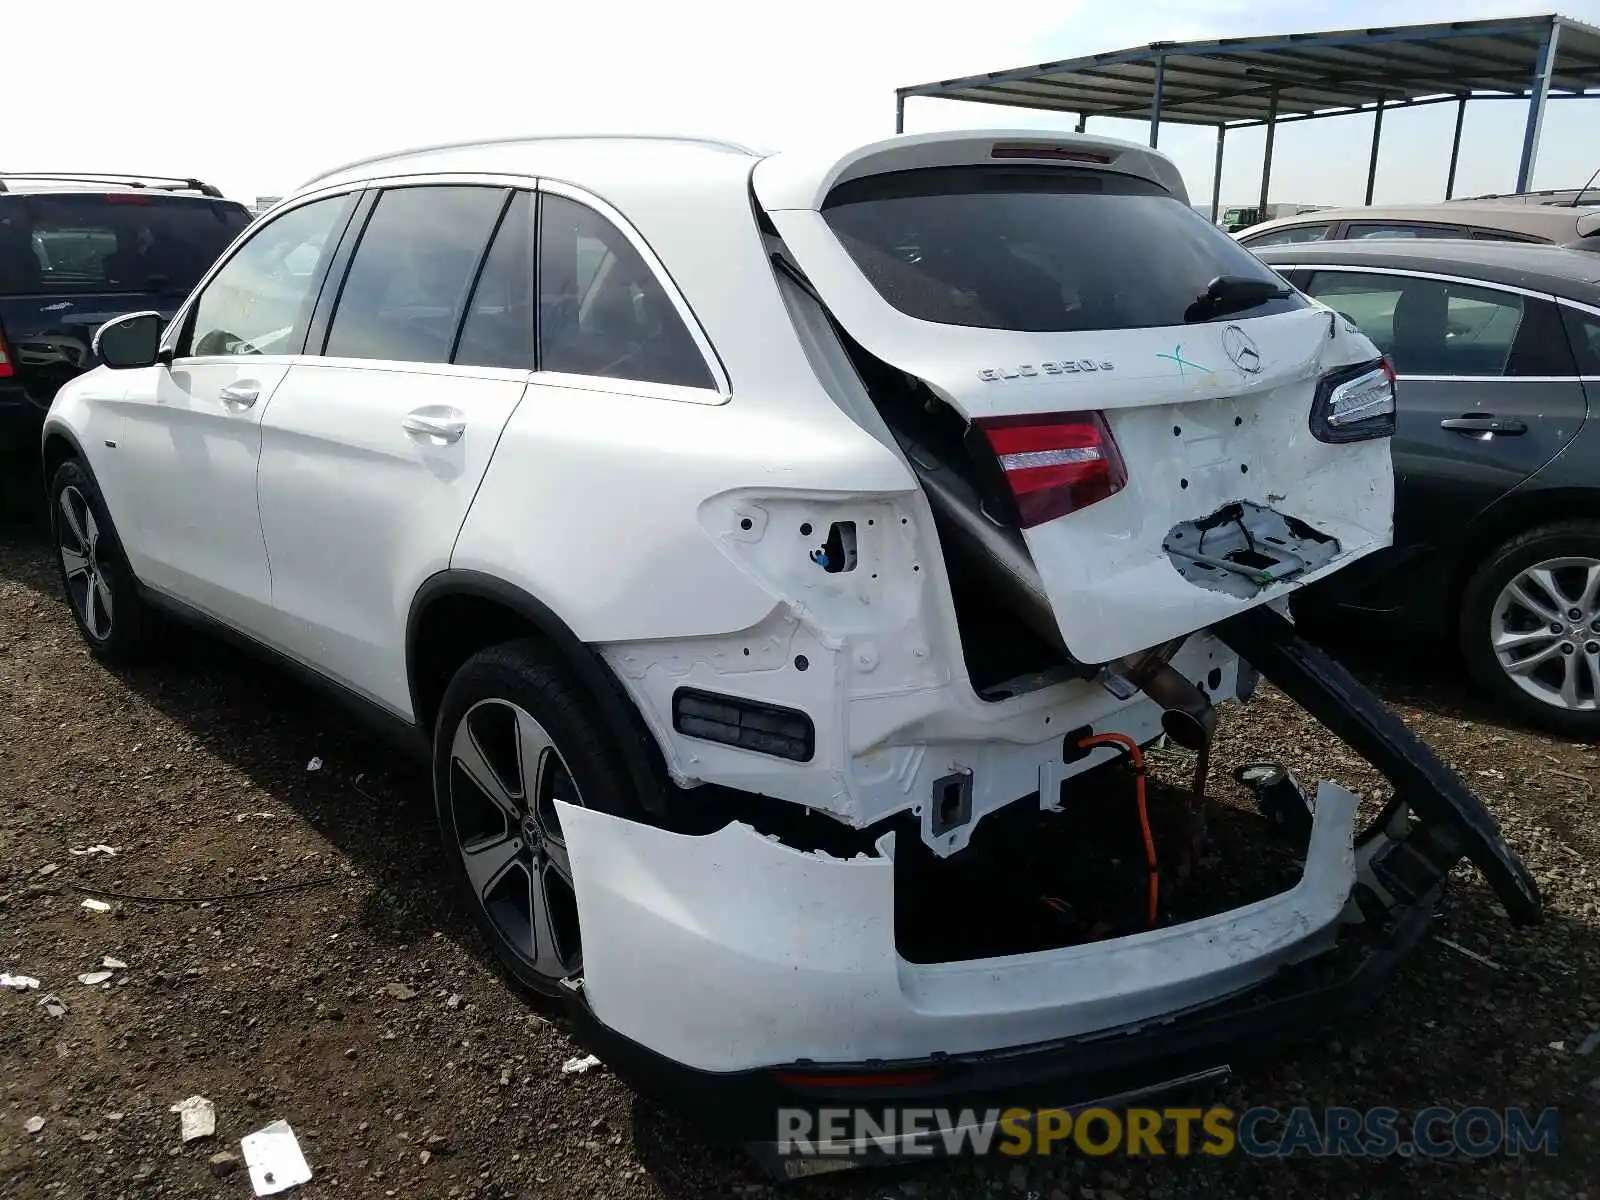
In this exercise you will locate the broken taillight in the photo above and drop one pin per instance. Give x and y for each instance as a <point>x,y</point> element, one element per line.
<point>1055,463</point>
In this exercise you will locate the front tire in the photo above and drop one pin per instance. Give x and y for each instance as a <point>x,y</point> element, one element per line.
<point>95,577</point>
<point>514,734</point>
<point>1530,627</point>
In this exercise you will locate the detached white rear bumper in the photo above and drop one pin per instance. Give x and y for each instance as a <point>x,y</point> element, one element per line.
<point>732,952</point>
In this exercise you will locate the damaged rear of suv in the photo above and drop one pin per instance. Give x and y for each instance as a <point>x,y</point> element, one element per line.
<point>787,562</point>
<point>1131,441</point>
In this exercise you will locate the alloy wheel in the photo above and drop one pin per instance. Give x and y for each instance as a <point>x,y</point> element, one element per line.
<point>505,776</point>
<point>78,538</point>
<point>1545,632</point>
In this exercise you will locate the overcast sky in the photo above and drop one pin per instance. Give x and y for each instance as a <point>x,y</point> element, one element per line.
<point>257,97</point>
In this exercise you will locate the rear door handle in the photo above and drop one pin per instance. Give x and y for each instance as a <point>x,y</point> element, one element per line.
<point>438,423</point>
<point>1484,424</point>
<point>242,394</point>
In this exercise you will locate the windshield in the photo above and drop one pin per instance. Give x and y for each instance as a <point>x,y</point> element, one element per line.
<point>1040,250</point>
<point>119,242</point>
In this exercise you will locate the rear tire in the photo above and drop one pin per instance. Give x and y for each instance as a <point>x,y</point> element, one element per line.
<point>1530,627</point>
<point>515,732</point>
<point>95,577</point>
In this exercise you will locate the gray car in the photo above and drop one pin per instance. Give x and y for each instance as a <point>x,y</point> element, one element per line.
<point>1497,466</point>
<point>1499,219</point>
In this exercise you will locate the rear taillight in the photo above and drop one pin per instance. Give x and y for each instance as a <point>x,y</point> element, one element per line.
<point>6,369</point>
<point>1055,463</point>
<point>1355,403</point>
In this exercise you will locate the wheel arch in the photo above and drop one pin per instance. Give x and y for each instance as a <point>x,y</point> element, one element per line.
<point>456,613</point>
<point>1516,514</point>
<point>57,445</point>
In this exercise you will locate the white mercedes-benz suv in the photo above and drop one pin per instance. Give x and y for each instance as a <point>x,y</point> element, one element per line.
<point>743,536</point>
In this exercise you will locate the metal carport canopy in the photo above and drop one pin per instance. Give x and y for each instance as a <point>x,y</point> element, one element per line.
<point>1240,83</point>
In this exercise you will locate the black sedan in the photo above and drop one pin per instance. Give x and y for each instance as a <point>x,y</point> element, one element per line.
<point>1497,466</point>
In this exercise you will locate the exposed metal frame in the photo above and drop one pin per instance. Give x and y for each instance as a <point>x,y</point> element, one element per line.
<point>1243,83</point>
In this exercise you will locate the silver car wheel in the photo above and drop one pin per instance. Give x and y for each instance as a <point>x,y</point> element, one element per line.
<point>505,776</point>
<point>1545,631</point>
<point>79,545</point>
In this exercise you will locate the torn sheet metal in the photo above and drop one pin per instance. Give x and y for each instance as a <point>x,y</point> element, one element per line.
<point>1243,548</point>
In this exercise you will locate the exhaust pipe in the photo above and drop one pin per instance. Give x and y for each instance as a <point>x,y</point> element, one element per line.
<point>1187,714</point>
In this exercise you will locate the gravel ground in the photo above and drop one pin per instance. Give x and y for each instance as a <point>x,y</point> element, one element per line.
<point>364,1009</point>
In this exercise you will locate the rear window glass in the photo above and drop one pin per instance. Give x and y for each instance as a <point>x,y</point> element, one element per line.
<point>1038,250</point>
<point>122,242</point>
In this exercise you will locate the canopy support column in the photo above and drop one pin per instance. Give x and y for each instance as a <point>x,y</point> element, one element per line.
<point>1538,94</point>
<point>1266,159</point>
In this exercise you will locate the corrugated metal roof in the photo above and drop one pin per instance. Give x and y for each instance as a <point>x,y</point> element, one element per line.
<point>1236,80</point>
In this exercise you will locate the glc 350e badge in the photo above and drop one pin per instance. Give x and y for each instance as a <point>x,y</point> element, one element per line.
<point>1034,370</point>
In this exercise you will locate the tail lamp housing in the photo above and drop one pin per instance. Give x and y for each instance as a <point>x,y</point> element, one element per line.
<point>1355,403</point>
<point>1055,463</point>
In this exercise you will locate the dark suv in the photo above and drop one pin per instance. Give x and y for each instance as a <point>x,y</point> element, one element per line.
<point>76,250</point>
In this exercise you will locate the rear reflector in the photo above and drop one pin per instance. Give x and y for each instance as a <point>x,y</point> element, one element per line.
<point>747,724</point>
<point>1055,463</point>
<point>1051,153</point>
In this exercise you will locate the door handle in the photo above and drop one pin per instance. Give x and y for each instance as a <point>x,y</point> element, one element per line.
<point>1484,424</point>
<point>439,424</point>
<point>243,394</point>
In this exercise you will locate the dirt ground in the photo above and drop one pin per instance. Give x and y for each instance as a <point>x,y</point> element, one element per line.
<point>361,1006</point>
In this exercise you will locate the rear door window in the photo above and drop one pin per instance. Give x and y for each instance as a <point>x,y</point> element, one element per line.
<point>1583,329</point>
<point>407,286</point>
<point>71,243</point>
<point>1440,327</point>
<point>1041,250</point>
<point>498,329</point>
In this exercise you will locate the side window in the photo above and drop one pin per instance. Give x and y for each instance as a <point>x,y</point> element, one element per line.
<point>260,301</point>
<point>602,311</point>
<point>1435,327</point>
<point>407,285</point>
<point>1500,235</point>
<point>1583,331</point>
<point>498,330</point>
<point>1375,229</point>
<point>1288,237</point>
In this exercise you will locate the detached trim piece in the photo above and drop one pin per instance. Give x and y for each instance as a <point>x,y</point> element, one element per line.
<point>747,724</point>
<point>1435,793</point>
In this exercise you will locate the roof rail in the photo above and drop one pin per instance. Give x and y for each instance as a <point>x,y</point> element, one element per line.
<point>513,139</point>
<point>162,183</point>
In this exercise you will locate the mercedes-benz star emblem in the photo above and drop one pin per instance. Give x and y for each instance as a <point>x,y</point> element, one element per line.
<point>1236,342</point>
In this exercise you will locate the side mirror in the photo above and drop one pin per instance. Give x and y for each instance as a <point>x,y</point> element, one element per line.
<point>1588,225</point>
<point>130,341</point>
